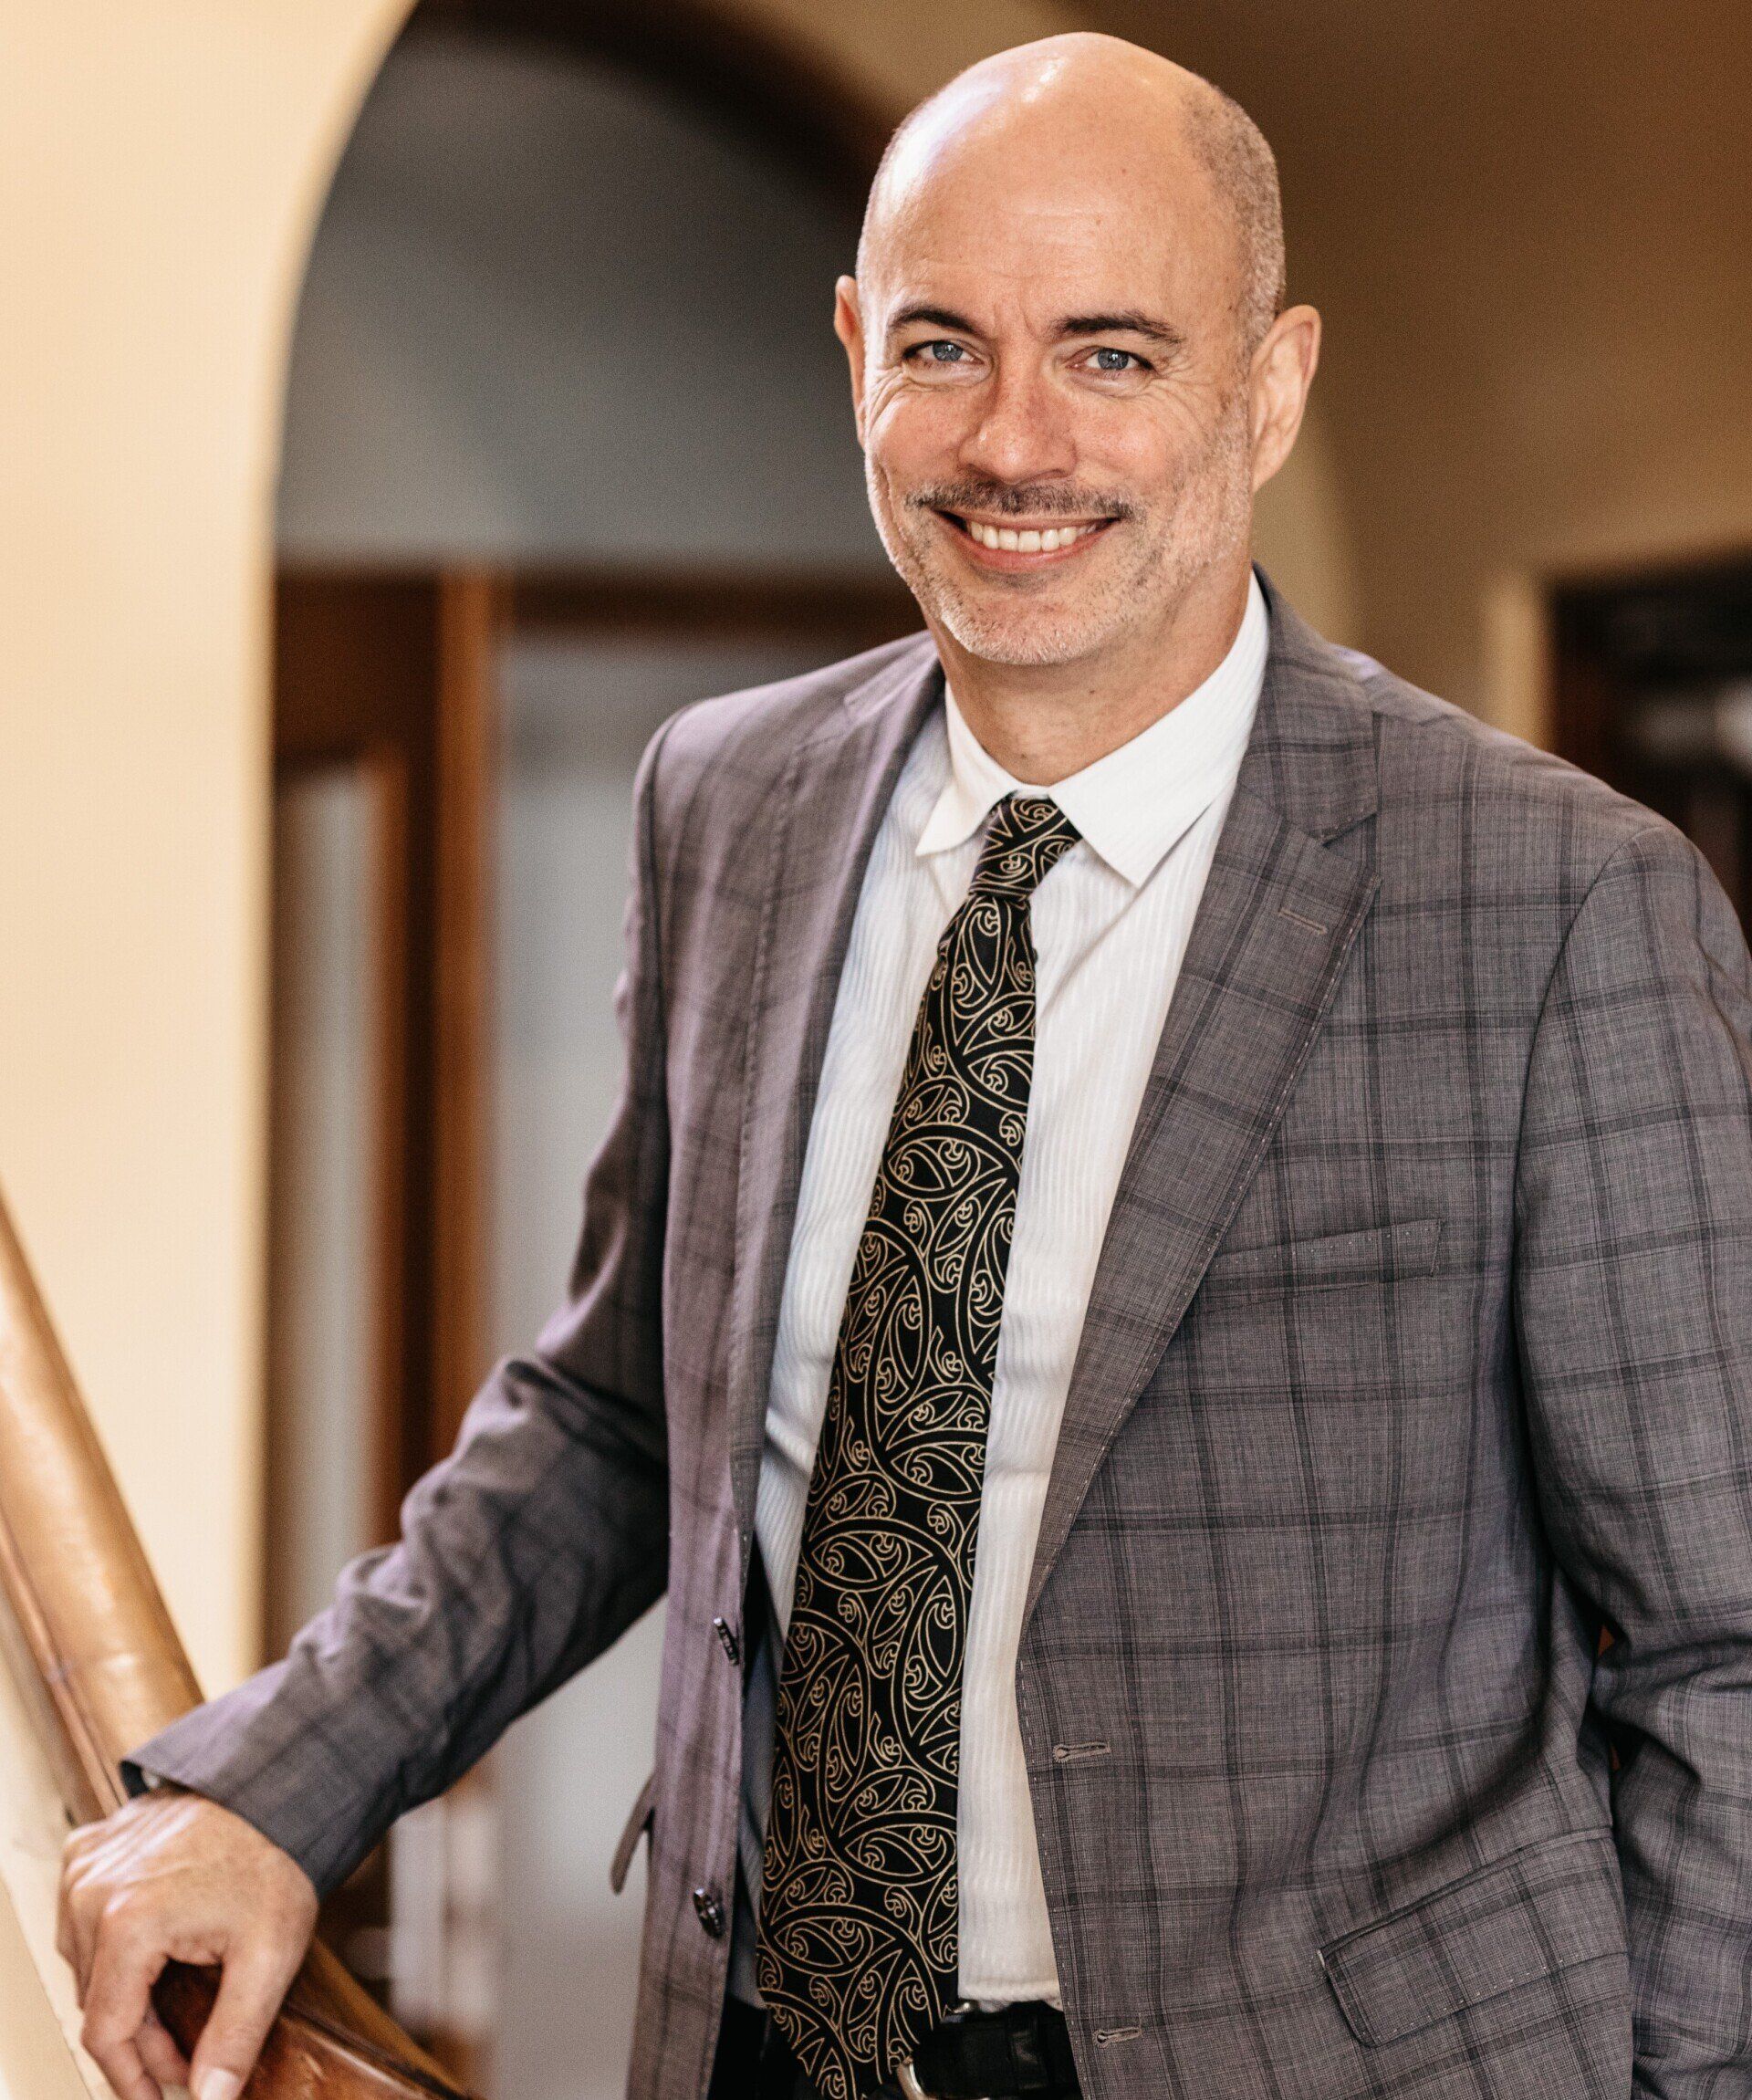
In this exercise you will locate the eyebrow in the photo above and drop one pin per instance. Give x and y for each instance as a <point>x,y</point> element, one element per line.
<point>933,317</point>
<point>1129,322</point>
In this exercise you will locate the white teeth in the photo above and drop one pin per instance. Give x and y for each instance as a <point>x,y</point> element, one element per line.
<point>1047,541</point>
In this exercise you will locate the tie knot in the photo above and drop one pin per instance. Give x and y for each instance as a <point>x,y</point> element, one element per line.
<point>1028,836</point>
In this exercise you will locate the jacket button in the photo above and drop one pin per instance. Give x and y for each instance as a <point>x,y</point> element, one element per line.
<point>727,1639</point>
<point>710,1913</point>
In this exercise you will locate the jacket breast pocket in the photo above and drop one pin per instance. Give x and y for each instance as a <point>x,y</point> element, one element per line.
<point>1394,1253</point>
<point>1544,1908</point>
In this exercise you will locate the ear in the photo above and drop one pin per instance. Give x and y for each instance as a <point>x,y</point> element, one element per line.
<point>849,325</point>
<point>1278,382</point>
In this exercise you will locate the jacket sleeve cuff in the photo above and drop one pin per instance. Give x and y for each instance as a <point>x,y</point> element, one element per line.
<point>289,1783</point>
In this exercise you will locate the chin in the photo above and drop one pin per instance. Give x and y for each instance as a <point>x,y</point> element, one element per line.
<point>1030,637</point>
<point>1008,626</point>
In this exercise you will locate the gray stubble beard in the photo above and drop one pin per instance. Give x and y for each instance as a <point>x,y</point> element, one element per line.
<point>1209,510</point>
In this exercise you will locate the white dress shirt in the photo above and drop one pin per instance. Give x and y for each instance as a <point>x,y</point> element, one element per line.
<point>1109,923</point>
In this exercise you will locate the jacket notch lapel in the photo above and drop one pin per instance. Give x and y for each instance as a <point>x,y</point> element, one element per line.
<point>1291,882</point>
<point>836,792</point>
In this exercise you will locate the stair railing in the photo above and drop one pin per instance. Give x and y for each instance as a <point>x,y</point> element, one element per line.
<point>100,1669</point>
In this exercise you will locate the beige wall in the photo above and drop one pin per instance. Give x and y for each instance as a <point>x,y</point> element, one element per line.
<point>1530,229</point>
<point>159,165</point>
<point>162,166</point>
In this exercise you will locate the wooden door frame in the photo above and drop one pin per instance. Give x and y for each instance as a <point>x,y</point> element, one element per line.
<point>392,672</point>
<point>393,668</point>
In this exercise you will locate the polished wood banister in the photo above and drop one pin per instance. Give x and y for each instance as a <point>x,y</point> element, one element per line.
<point>100,1665</point>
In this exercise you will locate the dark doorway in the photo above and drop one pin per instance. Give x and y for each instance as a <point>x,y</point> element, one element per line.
<point>1654,692</point>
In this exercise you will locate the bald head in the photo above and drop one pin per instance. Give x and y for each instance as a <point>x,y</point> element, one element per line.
<point>1063,96</point>
<point>1071,366</point>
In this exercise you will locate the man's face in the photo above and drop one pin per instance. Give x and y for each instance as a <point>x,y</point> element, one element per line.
<point>1053,398</point>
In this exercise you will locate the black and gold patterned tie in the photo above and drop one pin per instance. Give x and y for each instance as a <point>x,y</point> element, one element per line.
<point>859,1940</point>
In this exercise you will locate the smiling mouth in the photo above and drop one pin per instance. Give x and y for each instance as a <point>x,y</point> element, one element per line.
<point>1017,539</point>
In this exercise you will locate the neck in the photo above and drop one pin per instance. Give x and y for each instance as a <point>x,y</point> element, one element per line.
<point>1044,722</point>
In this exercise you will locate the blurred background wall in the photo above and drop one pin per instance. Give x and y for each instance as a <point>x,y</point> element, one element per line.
<point>1529,228</point>
<point>162,166</point>
<point>382,370</point>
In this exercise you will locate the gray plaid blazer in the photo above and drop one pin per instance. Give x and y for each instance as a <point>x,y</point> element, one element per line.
<point>1419,1358</point>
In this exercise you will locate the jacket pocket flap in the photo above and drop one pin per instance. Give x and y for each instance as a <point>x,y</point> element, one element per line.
<point>1379,1253</point>
<point>638,1823</point>
<point>1545,1908</point>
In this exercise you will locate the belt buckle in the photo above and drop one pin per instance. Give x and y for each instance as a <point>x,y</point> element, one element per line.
<point>913,2087</point>
<point>907,2079</point>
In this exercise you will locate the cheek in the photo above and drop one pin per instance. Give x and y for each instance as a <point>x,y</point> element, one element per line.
<point>1151,452</point>
<point>912,433</point>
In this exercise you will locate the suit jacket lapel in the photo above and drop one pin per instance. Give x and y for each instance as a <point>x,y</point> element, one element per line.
<point>836,792</point>
<point>1279,911</point>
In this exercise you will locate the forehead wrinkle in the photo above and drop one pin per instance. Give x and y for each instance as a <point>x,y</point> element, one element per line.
<point>931,288</point>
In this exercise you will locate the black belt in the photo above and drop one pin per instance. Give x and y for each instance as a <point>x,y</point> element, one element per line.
<point>1018,2053</point>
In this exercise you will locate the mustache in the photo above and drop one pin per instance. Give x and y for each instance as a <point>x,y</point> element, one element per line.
<point>1002,499</point>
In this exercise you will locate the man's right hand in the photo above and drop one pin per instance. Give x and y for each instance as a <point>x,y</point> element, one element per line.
<point>174,1877</point>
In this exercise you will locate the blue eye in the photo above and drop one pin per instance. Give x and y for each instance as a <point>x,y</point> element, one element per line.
<point>1113,359</point>
<point>944,352</point>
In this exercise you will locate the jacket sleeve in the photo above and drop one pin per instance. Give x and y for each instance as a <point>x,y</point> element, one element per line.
<point>522,1555</point>
<point>1633,1292</point>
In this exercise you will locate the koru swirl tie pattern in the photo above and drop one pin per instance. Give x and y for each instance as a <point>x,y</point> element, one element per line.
<point>859,1940</point>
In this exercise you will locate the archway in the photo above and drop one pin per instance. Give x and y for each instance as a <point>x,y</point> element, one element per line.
<point>567,445</point>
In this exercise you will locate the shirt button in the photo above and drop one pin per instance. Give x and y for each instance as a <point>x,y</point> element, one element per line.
<point>727,1639</point>
<point>710,1913</point>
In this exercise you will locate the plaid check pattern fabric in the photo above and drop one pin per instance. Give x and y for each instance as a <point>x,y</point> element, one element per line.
<point>1420,1347</point>
<point>858,1912</point>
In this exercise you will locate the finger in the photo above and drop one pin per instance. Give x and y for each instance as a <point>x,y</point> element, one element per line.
<point>158,2052</point>
<point>118,1999</point>
<point>121,2063</point>
<point>251,1987</point>
<point>79,1903</point>
<point>76,1933</point>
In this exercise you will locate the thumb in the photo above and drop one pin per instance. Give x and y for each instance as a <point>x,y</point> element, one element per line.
<point>251,1986</point>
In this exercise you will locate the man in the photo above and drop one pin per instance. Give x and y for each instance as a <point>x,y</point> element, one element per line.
<point>1177,1250</point>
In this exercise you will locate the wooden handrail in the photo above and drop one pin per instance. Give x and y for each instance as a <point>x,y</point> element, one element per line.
<point>99,1665</point>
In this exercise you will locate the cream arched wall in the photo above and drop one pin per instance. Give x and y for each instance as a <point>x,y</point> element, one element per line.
<point>162,163</point>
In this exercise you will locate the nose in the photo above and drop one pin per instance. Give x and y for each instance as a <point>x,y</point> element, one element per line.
<point>1019,431</point>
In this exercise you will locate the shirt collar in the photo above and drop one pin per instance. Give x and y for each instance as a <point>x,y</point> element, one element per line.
<point>1136,803</point>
